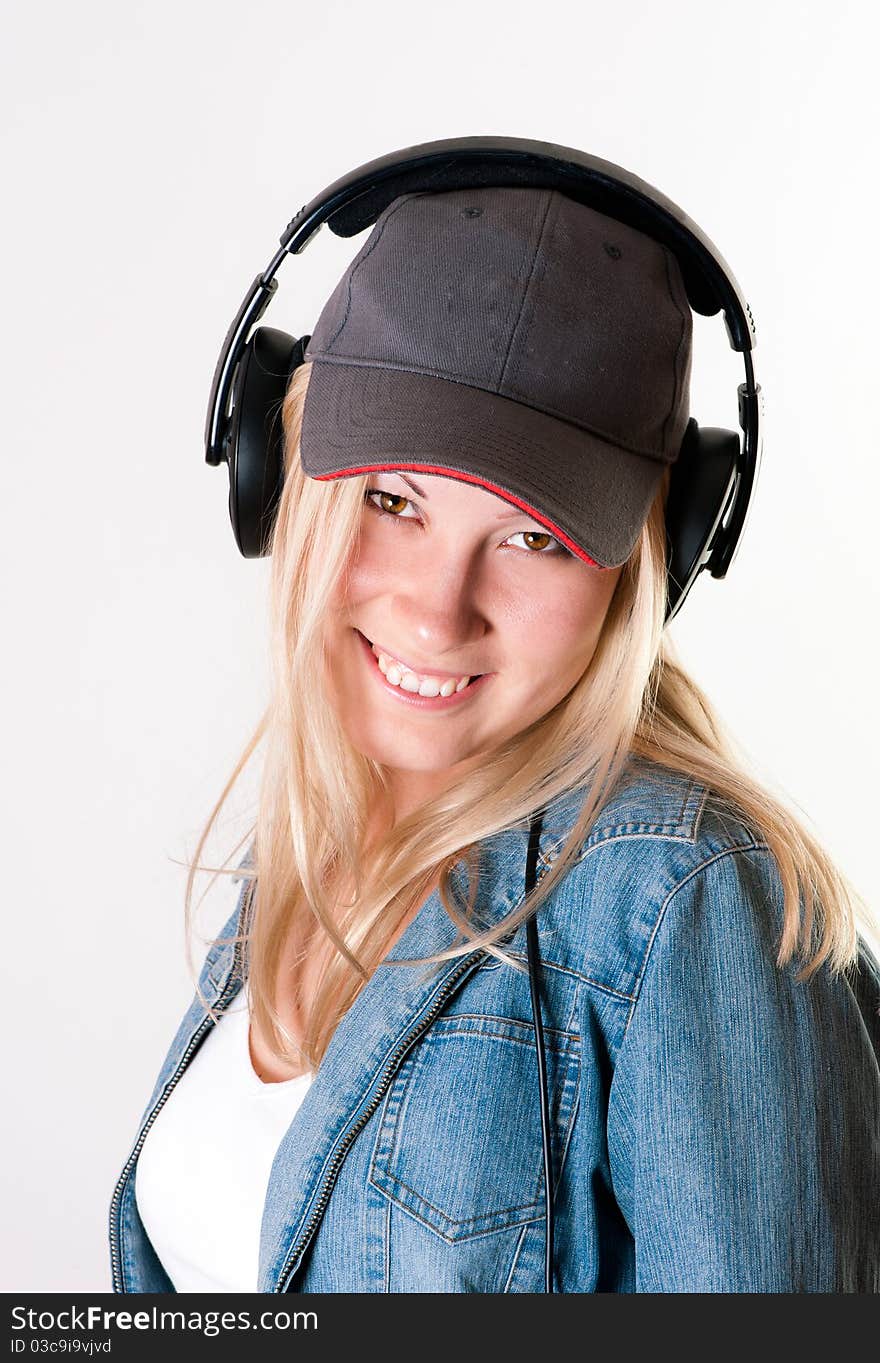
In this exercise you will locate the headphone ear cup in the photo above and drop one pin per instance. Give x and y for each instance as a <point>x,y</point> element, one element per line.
<point>701,486</point>
<point>254,440</point>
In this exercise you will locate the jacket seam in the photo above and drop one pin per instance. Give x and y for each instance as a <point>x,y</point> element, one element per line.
<point>577,975</point>
<point>716,856</point>
<point>386,1245</point>
<point>516,1254</point>
<point>450,1027</point>
<point>660,833</point>
<point>670,831</point>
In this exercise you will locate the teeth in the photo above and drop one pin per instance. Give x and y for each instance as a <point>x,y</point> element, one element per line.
<point>400,676</point>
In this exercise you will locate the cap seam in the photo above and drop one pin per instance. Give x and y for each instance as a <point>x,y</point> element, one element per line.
<point>528,285</point>
<point>398,204</point>
<point>356,361</point>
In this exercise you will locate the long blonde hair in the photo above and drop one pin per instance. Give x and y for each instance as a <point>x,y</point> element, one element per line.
<point>316,790</point>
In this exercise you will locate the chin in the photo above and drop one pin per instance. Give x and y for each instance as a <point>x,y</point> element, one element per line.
<point>423,757</point>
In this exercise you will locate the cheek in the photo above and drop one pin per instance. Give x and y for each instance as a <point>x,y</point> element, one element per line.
<point>563,625</point>
<point>557,643</point>
<point>366,576</point>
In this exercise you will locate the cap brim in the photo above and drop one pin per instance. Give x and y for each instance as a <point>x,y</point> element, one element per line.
<point>592,495</point>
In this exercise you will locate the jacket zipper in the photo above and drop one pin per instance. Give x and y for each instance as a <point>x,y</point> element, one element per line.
<point>342,1149</point>
<point>196,1037</point>
<point>365,1116</point>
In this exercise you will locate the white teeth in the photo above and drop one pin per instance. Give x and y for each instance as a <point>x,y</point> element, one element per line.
<point>409,681</point>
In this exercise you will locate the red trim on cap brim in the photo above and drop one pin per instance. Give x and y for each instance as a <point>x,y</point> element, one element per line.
<point>480,482</point>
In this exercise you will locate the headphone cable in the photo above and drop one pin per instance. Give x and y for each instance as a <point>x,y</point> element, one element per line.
<point>534,957</point>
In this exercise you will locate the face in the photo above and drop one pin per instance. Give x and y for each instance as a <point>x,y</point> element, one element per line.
<point>448,582</point>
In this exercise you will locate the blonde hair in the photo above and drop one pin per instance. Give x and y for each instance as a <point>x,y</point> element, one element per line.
<point>316,790</point>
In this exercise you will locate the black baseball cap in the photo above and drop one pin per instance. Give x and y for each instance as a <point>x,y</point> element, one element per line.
<point>514,339</point>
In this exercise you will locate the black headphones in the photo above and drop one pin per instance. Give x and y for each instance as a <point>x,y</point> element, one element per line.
<point>711,481</point>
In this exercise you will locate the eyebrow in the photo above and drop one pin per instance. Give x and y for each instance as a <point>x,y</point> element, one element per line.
<point>420,492</point>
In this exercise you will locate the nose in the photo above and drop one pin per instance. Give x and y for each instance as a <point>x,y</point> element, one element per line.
<point>438,612</point>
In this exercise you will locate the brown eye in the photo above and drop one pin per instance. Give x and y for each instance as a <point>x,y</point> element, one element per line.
<point>386,504</point>
<point>539,544</point>
<point>386,497</point>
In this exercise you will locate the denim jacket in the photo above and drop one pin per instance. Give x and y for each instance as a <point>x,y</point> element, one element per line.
<point>715,1122</point>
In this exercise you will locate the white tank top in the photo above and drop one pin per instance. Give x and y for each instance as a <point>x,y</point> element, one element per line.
<point>203,1169</point>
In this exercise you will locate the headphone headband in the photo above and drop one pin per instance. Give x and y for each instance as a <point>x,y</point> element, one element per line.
<point>354,202</point>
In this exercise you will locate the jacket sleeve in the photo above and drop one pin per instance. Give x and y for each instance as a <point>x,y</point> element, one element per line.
<point>744,1111</point>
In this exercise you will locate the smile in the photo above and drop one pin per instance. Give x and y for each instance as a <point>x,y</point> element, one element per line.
<point>423,690</point>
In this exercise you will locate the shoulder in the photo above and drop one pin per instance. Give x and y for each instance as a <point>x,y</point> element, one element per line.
<point>664,849</point>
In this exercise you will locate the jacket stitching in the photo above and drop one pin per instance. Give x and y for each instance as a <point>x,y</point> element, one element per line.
<point>618,835</point>
<point>565,1040</point>
<point>716,856</point>
<point>474,1227</point>
<point>344,1128</point>
<point>670,830</point>
<point>516,1253</point>
<point>576,975</point>
<point>125,1258</point>
<point>575,1081</point>
<point>449,1221</point>
<point>386,1247</point>
<point>621,832</point>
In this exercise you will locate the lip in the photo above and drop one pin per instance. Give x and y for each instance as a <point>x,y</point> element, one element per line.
<point>441,677</point>
<point>413,698</point>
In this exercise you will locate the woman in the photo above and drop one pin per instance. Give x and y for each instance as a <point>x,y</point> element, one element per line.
<point>468,597</point>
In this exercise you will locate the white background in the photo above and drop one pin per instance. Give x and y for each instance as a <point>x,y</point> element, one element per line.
<point>152,156</point>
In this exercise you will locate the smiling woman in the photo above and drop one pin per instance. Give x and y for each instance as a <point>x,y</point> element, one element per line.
<point>471,681</point>
<point>454,590</point>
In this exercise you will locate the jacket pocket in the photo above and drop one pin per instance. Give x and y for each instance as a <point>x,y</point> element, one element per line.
<point>459,1145</point>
